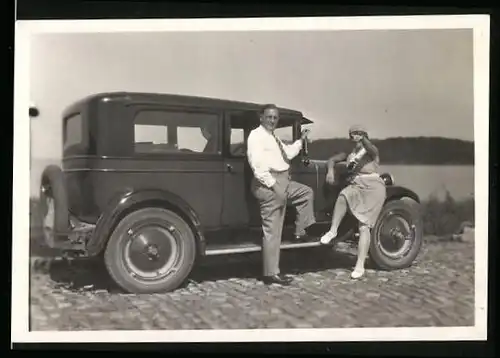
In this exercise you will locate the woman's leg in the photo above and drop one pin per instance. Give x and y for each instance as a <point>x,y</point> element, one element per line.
<point>363,247</point>
<point>339,212</point>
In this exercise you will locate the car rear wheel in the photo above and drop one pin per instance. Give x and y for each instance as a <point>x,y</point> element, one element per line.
<point>397,238</point>
<point>151,250</point>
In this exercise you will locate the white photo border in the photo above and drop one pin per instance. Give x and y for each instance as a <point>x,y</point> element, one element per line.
<point>21,176</point>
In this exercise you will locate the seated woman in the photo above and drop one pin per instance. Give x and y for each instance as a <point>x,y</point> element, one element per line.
<point>364,194</point>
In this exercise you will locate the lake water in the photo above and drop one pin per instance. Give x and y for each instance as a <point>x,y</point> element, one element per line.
<point>423,179</point>
<point>428,180</point>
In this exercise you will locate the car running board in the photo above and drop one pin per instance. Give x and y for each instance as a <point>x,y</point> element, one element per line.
<point>213,250</point>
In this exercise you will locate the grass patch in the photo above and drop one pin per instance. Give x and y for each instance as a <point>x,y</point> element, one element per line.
<point>445,217</point>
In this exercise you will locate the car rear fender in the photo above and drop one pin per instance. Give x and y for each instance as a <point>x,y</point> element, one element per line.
<point>132,200</point>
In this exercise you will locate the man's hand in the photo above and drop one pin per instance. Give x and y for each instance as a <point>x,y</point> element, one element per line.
<point>304,134</point>
<point>279,191</point>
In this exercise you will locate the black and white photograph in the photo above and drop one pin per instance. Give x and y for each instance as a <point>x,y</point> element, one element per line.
<point>274,179</point>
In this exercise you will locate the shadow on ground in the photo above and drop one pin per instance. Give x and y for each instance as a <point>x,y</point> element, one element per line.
<point>91,274</point>
<point>291,262</point>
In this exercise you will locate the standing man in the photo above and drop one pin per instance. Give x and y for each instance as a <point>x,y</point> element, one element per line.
<point>269,159</point>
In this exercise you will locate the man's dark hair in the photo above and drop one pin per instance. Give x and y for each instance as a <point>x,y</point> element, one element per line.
<point>267,106</point>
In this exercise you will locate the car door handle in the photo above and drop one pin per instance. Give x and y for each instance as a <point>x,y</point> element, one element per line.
<point>229,167</point>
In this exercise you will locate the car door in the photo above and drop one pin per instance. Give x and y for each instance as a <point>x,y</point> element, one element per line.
<point>288,132</point>
<point>306,170</point>
<point>313,175</point>
<point>238,203</point>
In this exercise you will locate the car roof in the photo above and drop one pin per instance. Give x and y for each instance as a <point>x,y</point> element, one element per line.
<point>173,99</point>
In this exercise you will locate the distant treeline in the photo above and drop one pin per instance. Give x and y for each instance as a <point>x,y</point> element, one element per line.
<point>404,150</point>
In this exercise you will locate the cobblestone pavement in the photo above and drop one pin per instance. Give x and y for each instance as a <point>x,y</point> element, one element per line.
<point>223,293</point>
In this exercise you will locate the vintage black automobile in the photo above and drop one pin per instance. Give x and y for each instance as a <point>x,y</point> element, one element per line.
<point>151,183</point>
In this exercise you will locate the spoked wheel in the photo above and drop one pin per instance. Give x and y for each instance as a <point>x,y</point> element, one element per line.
<point>151,250</point>
<point>397,236</point>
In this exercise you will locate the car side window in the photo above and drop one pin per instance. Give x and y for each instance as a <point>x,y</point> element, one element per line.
<point>241,123</point>
<point>150,133</point>
<point>73,131</point>
<point>164,131</point>
<point>237,146</point>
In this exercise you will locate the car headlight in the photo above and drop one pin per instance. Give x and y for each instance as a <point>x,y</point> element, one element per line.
<point>387,178</point>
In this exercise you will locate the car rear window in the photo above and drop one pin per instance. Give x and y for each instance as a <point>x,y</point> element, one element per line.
<point>73,131</point>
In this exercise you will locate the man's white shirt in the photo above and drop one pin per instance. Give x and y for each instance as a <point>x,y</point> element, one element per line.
<point>264,155</point>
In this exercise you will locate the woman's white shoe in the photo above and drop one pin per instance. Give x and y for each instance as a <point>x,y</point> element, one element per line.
<point>357,274</point>
<point>327,237</point>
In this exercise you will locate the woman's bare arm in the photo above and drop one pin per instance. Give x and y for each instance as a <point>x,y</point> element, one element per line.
<point>370,148</point>
<point>335,159</point>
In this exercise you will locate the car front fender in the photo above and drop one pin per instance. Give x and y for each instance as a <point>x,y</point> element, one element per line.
<point>395,192</point>
<point>132,200</point>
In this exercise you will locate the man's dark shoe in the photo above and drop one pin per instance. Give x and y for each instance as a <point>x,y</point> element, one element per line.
<point>278,279</point>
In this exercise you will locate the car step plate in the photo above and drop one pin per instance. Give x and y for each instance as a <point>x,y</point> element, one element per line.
<point>253,247</point>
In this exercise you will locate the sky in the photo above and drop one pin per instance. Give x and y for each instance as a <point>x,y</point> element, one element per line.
<point>395,82</point>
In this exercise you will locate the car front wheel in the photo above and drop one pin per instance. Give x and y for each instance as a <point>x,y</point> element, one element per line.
<point>151,250</point>
<point>397,238</point>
